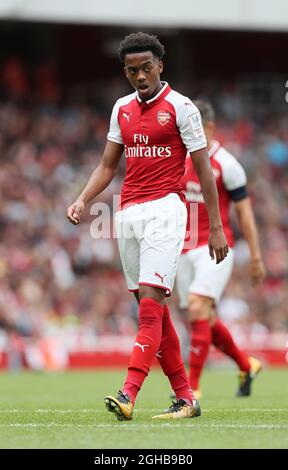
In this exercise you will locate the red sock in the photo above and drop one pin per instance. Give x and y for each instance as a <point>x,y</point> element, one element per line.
<point>169,356</point>
<point>145,347</point>
<point>222,339</point>
<point>199,348</point>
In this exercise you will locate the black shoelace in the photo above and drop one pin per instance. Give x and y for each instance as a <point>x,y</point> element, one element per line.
<point>177,405</point>
<point>123,398</point>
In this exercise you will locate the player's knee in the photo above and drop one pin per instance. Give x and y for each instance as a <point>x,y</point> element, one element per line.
<point>154,293</point>
<point>212,315</point>
<point>197,308</point>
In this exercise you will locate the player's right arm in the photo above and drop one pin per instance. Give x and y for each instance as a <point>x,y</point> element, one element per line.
<point>98,181</point>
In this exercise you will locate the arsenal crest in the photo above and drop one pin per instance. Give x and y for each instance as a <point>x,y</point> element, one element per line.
<point>163,117</point>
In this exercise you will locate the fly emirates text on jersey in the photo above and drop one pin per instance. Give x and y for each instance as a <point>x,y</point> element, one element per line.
<point>142,148</point>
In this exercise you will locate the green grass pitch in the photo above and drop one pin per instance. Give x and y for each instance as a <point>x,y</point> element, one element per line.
<point>66,410</point>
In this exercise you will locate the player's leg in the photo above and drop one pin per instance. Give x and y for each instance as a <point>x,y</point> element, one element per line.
<point>249,366</point>
<point>211,280</point>
<point>149,234</point>
<point>206,288</point>
<point>170,359</point>
<point>199,313</point>
<point>197,310</point>
<point>159,256</point>
<point>150,296</point>
<point>223,340</point>
<point>221,336</point>
<point>121,404</point>
<point>147,341</point>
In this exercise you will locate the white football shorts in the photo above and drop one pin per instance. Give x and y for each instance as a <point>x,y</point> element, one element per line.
<point>198,274</point>
<point>150,239</point>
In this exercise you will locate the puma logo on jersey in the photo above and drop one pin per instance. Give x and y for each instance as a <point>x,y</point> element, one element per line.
<point>142,346</point>
<point>127,116</point>
<point>160,277</point>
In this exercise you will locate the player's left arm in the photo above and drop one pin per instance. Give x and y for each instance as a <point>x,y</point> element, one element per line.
<point>248,227</point>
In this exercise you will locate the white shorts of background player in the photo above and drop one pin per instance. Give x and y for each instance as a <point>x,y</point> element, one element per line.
<point>198,274</point>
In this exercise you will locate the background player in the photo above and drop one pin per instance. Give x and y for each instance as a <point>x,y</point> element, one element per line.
<point>200,283</point>
<point>154,126</point>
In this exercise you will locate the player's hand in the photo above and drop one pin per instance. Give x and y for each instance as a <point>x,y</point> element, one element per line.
<point>218,247</point>
<point>75,210</point>
<point>257,271</point>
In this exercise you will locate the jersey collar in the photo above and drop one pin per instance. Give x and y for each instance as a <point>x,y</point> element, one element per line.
<point>157,98</point>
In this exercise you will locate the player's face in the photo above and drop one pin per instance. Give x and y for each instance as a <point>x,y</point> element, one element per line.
<point>143,71</point>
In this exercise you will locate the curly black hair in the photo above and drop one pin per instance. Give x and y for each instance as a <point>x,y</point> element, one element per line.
<point>140,42</point>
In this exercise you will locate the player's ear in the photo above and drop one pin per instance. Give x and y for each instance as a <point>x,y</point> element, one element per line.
<point>211,126</point>
<point>161,66</point>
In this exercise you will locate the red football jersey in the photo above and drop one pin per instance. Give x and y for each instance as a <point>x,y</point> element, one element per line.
<point>229,175</point>
<point>156,135</point>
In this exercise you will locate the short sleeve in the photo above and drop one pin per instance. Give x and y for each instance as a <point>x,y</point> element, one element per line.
<point>114,134</point>
<point>190,125</point>
<point>234,175</point>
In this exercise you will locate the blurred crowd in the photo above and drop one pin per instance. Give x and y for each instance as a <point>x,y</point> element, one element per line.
<point>57,280</point>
